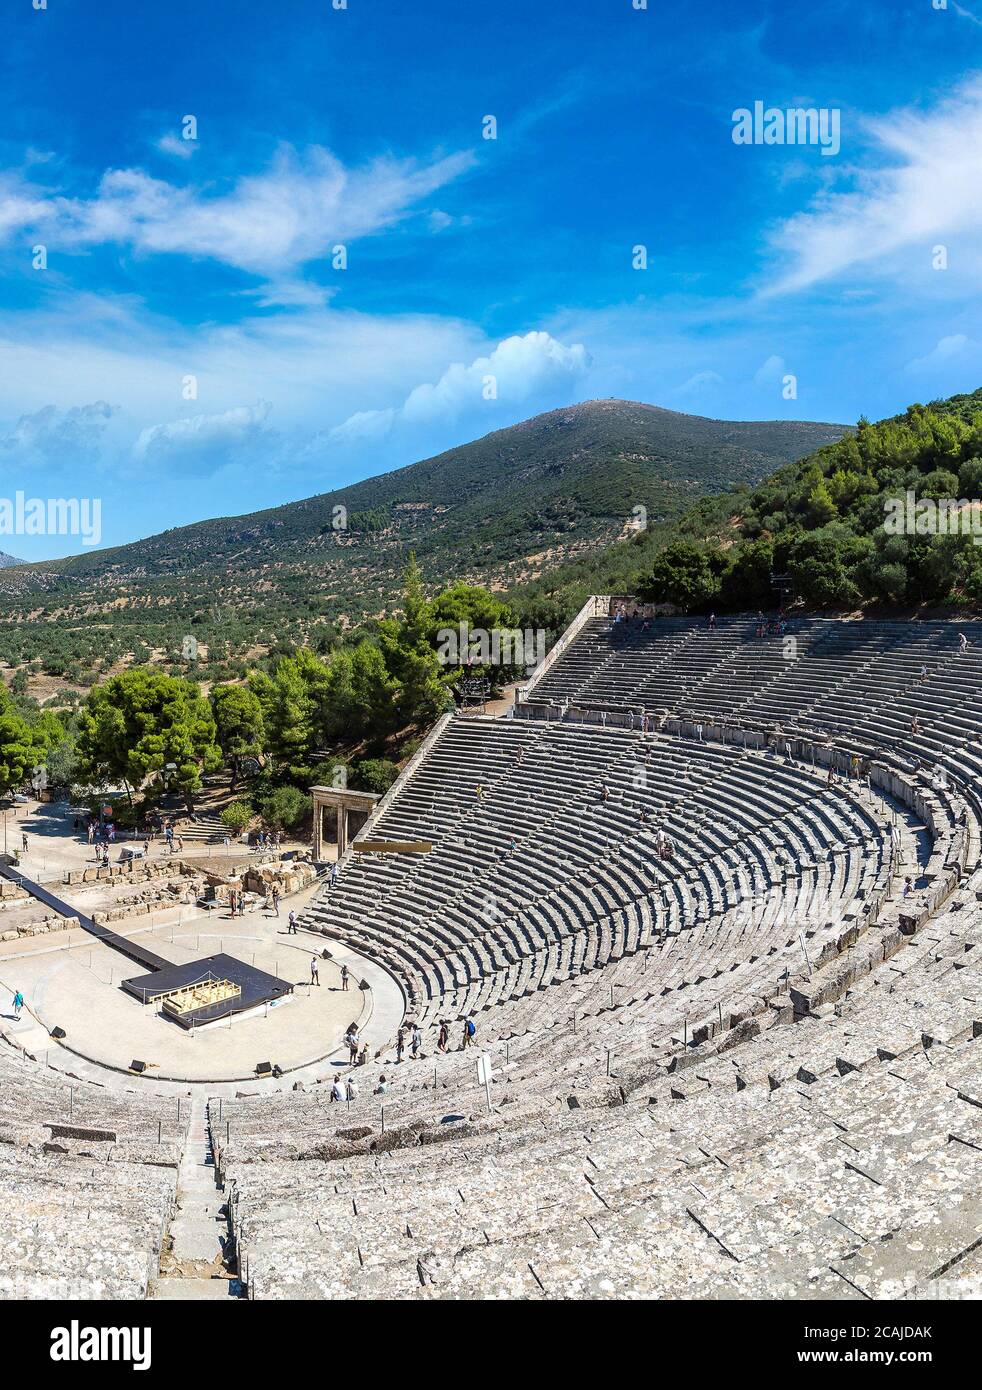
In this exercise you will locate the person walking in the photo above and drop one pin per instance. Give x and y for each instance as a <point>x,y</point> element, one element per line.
<point>276,901</point>
<point>443,1040</point>
<point>23,841</point>
<point>400,1043</point>
<point>291,924</point>
<point>470,1030</point>
<point>315,978</point>
<point>416,1040</point>
<point>18,1003</point>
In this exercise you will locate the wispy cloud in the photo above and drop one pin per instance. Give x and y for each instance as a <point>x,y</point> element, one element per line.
<point>921,184</point>
<point>269,224</point>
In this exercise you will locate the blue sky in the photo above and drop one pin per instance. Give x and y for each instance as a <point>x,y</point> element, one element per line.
<point>468,259</point>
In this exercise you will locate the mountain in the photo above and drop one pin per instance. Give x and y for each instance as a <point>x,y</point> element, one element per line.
<point>7,560</point>
<point>821,522</point>
<point>498,510</point>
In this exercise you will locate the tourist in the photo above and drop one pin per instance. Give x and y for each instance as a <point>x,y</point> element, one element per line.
<point>23,841</point>
<point>470,1031</point>
<point>908,886</point>
<point>382,1086</point>
<point>345,975</point>
<point>363,1055</point>
<point>712,622</point>
<point>962,643</point>
<point>699,733</point>
<point>18,1004</point>
<point>315,978</point>
<point>443,1039</point>
<point>334,874</point>
<point>400,1042</point>
<point>291,924</point>
<point>416,1040</point>
<point>276,901</point>
<point>352,1089</point>
<point>351,1038</point>
<point>338,1091</point>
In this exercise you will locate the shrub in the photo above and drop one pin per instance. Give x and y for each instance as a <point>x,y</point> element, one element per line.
<point>375,774</point>
<point>285,808</point>
<point>236,816</point>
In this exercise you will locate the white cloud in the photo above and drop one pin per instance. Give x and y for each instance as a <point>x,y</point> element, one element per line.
<point>926,187</point>
<point>60,437</point>
<point>269,223</point>
<point>699,383</point>
<point>769,371</point>
<point>202,437</point>
<point>519,369</point>
<point>944,351</point>
<point>180,149</point>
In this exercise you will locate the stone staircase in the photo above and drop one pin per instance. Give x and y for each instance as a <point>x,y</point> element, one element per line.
<point>205,829</point>
<point>196,1261</point>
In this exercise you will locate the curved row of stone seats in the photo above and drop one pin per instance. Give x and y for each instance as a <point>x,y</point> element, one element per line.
<point>569,1048</point>
<point>41,1106</point>
<point>865,677</point>
<point>838,1158</point>
<point>80,1229</point>
<point>88,1179</point>
<point>517,871</point>
<point>839,1187</point>
<point>665,663</point>
<point>632,1007</point>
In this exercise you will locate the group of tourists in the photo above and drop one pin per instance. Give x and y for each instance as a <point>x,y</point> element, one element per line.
<point>770,627</point>
<point>410,1031</point>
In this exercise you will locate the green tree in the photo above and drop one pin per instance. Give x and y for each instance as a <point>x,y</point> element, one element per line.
<point>375,774</point>
<point>284,808</point>
<point>421,681</point>
<point>141,721</point>
<point>682,574</point>
<point>238,723</point>
<point>21,745</point>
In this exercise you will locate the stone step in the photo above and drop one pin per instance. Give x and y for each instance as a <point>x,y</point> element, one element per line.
<point>194,1290</point>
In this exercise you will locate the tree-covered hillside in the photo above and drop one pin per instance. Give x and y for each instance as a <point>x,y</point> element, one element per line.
<point>857,522</point>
